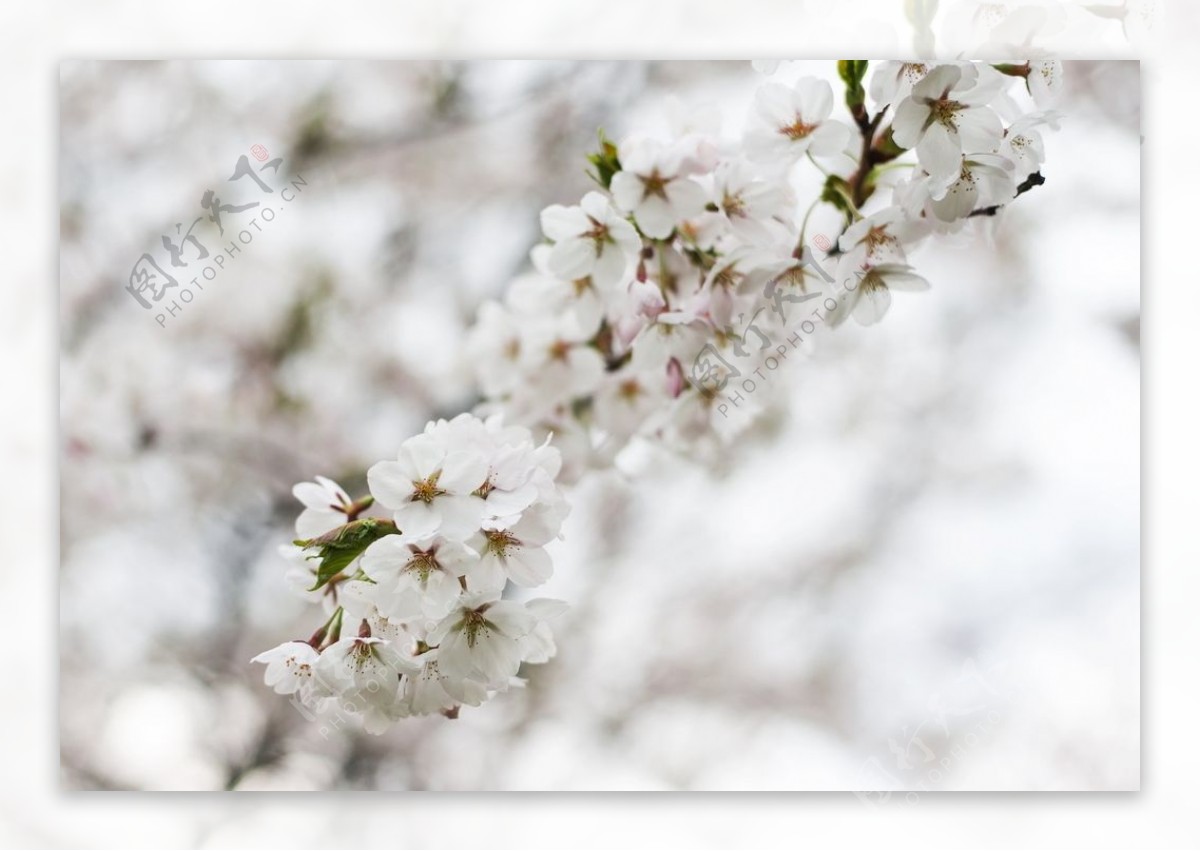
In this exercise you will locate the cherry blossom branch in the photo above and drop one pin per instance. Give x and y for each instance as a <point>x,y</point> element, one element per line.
<point>647,314</point>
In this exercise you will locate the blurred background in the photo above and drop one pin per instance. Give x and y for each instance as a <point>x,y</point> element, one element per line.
<point>920,571</point>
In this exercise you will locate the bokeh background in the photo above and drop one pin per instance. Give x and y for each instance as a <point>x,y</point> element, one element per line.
<point>920,571</point>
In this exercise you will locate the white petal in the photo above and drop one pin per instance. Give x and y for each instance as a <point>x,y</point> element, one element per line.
<point>940,151</point>
<point>501,503</point>
<point>385,558</point>
<point>423,456</point>
<point>904,281</point>
<point>980,130</point>
<point>529,566</point>
<point>909,122</point>
<point>687,197</point>
<point>311,523</point>
<point>776,105</point>
<point>572,258</point>
<point>417,520</point>
<point>560,222</point>
<point>513,619</point>
<point>873,302</point>
<point>655,217</point>
<point>496,657</point>
<point>454,657</point>
<point>461,516</point>
<point>462,472</point>
<point>486,574</point>
<point>610,266</point>
<point>546,608</point>
<point>388,483</point>
<point>938,81</point>
<point>829,139</point>
<point>336,492</point>
<point>815,98</point>
<point>958,201</point>
<point>594,204</point>
<point>456,558</point>
<point>312,495</point>
<point>586,370</point>
<point>627,190</point>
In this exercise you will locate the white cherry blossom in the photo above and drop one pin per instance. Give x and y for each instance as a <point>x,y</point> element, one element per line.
<point>948,115</point>
<point>1045,81</point>
<point>789,122</point>
<point>591,240</point>
<point>882,236</point>
<point>480,640</point>
<point>415,580</point>
<point>326,504</point>
<point>891,82</point>
<point>869,289</point>
<point>655,186</point>
<point>984,180</point>
<point>430,488</point>
<point>289,667</point>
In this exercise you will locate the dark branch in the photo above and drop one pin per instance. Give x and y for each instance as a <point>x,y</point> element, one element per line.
<point>1028,183</point>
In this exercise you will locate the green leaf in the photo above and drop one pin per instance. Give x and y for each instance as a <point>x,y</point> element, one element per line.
<point>852,72</point>
<point>837,192</point>
<point>338,547</point>
<point>605,161</point>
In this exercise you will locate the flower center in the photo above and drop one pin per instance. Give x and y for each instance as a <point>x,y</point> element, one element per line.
<point>728,278</point>
<point>872,281</point>
<point>734,205</point>
<point>878,237</point>
<point>500,541</point>
<point>795,276</point>
<point>559,350</point>
<point>423,563</point>
<point>598,235</point>
<point>943,112</point>
<point>798,129</point>
<point>426,491</point>
<point>473,622</point>
<point>654,184</point>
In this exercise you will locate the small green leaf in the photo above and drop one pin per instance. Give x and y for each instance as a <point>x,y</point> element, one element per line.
<point>605,161</point>
<point>338,547</point>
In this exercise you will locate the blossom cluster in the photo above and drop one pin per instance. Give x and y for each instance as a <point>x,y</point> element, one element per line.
<point>418,622</point>
<point>687,268</point>
<point>688,265</point>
